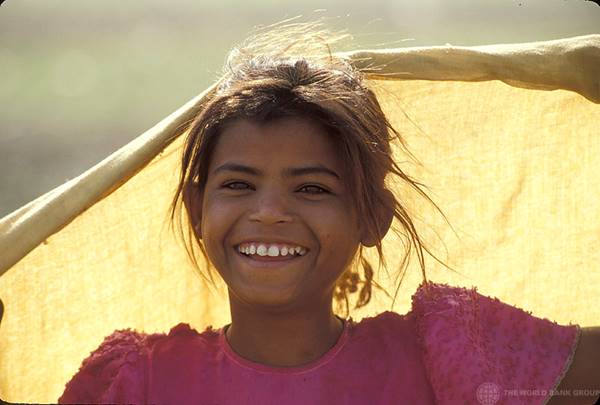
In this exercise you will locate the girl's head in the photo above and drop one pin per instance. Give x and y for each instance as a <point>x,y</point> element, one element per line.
<point>274,111</point>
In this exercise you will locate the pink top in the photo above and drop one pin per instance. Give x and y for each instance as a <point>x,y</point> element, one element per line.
<point>455,346</point>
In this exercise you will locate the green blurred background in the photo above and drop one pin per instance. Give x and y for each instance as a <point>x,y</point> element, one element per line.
<point>81,78</point>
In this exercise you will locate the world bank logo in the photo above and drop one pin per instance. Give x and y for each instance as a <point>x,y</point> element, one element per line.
<point>488,393</point>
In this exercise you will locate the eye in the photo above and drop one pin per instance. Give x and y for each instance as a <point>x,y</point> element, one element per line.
<point>316,189</point>
<point>235,183</point>
<point>309,188</point>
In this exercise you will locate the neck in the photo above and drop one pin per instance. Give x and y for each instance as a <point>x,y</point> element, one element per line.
<point>283,339</point>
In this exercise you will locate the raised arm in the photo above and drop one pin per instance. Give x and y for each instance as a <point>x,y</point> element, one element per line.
<point>581,384</point>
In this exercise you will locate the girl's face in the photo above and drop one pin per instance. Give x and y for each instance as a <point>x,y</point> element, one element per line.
<point>278,184</point>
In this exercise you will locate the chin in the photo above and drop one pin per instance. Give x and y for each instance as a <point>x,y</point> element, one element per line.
<point>269,301</point>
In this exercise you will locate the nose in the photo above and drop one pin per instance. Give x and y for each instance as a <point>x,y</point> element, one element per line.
<point>271,207</point>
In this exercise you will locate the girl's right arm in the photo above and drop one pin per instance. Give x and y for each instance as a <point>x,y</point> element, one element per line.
<point>582,381</point>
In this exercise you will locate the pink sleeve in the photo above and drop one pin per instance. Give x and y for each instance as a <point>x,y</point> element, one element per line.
<point>113,373</point>
<point>479,350</point>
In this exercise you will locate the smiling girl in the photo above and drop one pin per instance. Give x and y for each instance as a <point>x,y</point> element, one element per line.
<point>284,183</point>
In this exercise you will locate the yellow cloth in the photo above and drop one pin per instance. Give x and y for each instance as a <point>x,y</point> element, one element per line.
<point>514,169</point>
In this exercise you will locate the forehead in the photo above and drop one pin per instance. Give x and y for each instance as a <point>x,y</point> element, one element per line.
<point>290,141</point>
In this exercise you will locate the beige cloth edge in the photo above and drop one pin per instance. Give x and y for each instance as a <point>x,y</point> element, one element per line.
<point>570,63</point>
<point>27,227</point>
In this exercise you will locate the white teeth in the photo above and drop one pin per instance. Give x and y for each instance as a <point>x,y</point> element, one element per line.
<point>272,251</point>
<point>261,250</point>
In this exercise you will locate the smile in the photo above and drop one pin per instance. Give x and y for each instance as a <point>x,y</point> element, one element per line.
<point>259,250</point>
<point>266,261</point>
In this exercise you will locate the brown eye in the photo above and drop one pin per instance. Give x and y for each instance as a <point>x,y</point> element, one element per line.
<point>234,185</point>
<point>314,189</point>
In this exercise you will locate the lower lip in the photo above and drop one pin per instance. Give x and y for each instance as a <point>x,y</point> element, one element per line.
<point>269,261</point>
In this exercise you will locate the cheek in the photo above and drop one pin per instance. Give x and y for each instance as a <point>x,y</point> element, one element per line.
<point>217,220</point>
<point>338,234</point>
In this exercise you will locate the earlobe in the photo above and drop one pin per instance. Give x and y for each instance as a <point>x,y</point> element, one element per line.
<point>198,231</point>
<point>384,215</point>
<point>194,208</point>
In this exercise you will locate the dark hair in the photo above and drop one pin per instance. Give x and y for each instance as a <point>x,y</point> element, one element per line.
<point>272,77</point>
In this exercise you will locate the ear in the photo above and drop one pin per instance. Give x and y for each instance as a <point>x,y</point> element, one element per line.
<point>384,215</point>
<point>194,198</point>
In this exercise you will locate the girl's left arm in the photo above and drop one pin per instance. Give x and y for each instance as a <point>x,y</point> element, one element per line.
<point>581,384</point>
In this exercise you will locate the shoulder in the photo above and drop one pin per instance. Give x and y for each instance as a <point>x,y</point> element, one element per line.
<point>384,323</point>
<point>387,331</point>
<point>465,308</point>
<point>496,346</point>
<point>118,370</point>
<point>182,357</point>
<point>112,372</point>
<point>182,338</point>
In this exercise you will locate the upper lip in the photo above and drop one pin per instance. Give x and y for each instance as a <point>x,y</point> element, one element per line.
<point>268,240</point>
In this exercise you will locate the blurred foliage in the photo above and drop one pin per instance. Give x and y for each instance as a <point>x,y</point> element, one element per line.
<point>79,79</point>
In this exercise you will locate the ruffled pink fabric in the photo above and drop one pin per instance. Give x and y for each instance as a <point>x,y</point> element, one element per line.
<point>479,350</point>
<point>114,372</point>
<point>454,347</point>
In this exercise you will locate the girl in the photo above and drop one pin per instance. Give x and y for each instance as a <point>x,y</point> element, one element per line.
<point>284,183</point>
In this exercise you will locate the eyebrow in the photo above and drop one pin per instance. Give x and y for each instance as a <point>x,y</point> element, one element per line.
<point>289,172</point>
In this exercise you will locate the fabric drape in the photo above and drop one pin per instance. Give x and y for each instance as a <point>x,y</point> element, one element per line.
<point>508,144</point>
